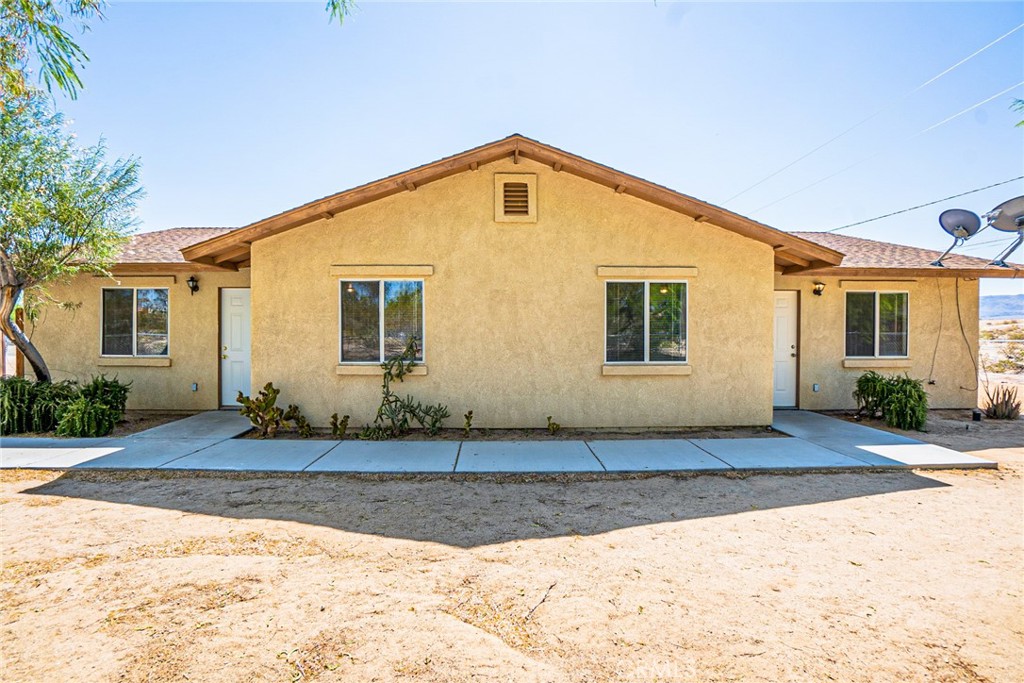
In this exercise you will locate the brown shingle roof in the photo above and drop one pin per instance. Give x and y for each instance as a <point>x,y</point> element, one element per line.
<point>164,246</point>
<point>865,253</point>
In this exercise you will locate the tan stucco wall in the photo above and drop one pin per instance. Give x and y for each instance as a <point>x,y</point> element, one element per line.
<point>70,340</point>
<point>515,312</point>
<point>933,317</point>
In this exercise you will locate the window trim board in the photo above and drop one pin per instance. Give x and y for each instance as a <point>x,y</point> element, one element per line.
<point>647,319</point>
<point>135,330</point>
<point>878,313</point>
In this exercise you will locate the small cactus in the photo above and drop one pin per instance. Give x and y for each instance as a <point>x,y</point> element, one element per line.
<point>553,426</point>
<point>339,427</point>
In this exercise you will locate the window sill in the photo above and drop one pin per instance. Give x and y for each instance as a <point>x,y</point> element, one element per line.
<point>644,369</point>
<point>375,370</point>
<point>136,361</point>
<point>877,363</point>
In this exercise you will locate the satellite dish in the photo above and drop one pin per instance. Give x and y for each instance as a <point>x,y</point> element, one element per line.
<point>961,224</point>
<point>1008,217</point>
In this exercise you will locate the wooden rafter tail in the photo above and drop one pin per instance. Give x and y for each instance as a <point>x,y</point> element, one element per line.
<point>791,259</point>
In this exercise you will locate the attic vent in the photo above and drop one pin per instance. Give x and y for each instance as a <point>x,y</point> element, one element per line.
<point>515,197</point>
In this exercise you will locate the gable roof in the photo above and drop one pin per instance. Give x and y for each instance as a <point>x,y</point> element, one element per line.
<point>232,249</point>
<point>871,255</point>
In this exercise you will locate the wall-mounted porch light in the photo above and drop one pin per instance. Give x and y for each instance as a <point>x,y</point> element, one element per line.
<point>819,287</point>
<point>193,284</point>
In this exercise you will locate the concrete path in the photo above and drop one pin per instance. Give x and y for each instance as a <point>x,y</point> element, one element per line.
<point>874,447</point>
<point>214,424</point>
<point>205,442</point>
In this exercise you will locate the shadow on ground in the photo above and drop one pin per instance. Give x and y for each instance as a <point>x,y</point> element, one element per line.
<point>474,511</point>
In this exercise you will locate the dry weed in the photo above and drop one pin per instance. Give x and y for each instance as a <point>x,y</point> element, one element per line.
<point>325,652</point>
<point>504,618</point>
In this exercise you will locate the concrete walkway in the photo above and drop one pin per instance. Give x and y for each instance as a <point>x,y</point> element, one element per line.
<point>205,442</point>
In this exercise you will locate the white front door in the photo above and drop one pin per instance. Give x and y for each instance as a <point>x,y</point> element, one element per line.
<point>784,380</point>
<point>235,345</point>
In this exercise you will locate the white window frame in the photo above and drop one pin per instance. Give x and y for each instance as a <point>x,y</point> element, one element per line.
<point>647,323</point>
<point>135,323</point>
<point>380,319</point>
<point>878,327</point>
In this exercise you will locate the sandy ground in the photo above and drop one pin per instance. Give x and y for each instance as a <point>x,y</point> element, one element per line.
<point>990,351</point>
<point>911,576</point>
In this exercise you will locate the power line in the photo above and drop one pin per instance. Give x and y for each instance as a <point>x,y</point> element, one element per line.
<point>889,147</point>
<point>876,113</point>
<point>921,206</point>
<point>975,245</point>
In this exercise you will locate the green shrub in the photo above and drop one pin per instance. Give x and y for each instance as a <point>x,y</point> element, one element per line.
<point>110,392</point>
<point>870,393</point>
<point>1003,403</point>
<point>262,410</point>
<point>50,401</point>
<point>28,406</point>
<point>906,405</point>
<point>16,397</point>
<point>901,401</point>
<point>84,417</point>
<point>468,424</point>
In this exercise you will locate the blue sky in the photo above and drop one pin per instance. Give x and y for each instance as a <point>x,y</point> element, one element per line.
<point>241,110</point>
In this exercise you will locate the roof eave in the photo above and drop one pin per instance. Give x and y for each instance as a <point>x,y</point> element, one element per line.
<point>927,271</point>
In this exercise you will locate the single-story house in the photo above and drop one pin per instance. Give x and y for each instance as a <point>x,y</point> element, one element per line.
<point>539,283</point>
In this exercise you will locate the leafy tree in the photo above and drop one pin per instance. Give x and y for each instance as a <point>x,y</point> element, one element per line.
<point>39,28</point>
<point>1018,105</point>
<point>339,9</point>
<point>64,210</point>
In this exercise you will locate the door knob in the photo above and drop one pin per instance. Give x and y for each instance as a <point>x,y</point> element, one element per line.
<point>225,348</point>
<point>224,356</point>
<point>793,355</point>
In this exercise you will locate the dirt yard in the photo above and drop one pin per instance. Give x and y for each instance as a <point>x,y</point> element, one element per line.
<point>992,351</point>
<point>910,576</point>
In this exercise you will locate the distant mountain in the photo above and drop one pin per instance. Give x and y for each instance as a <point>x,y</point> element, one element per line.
<point>998,306</point>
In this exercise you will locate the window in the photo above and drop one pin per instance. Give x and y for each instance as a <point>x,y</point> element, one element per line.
<point>378,317</point>
<point>877,324</point>
<point>135,322</point>
<point>515,197</point>
<point>645,322</point>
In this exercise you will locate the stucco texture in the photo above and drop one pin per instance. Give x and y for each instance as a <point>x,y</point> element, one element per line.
<point>939,352</point>
<point>70,339</point>
<point>515,312</point>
